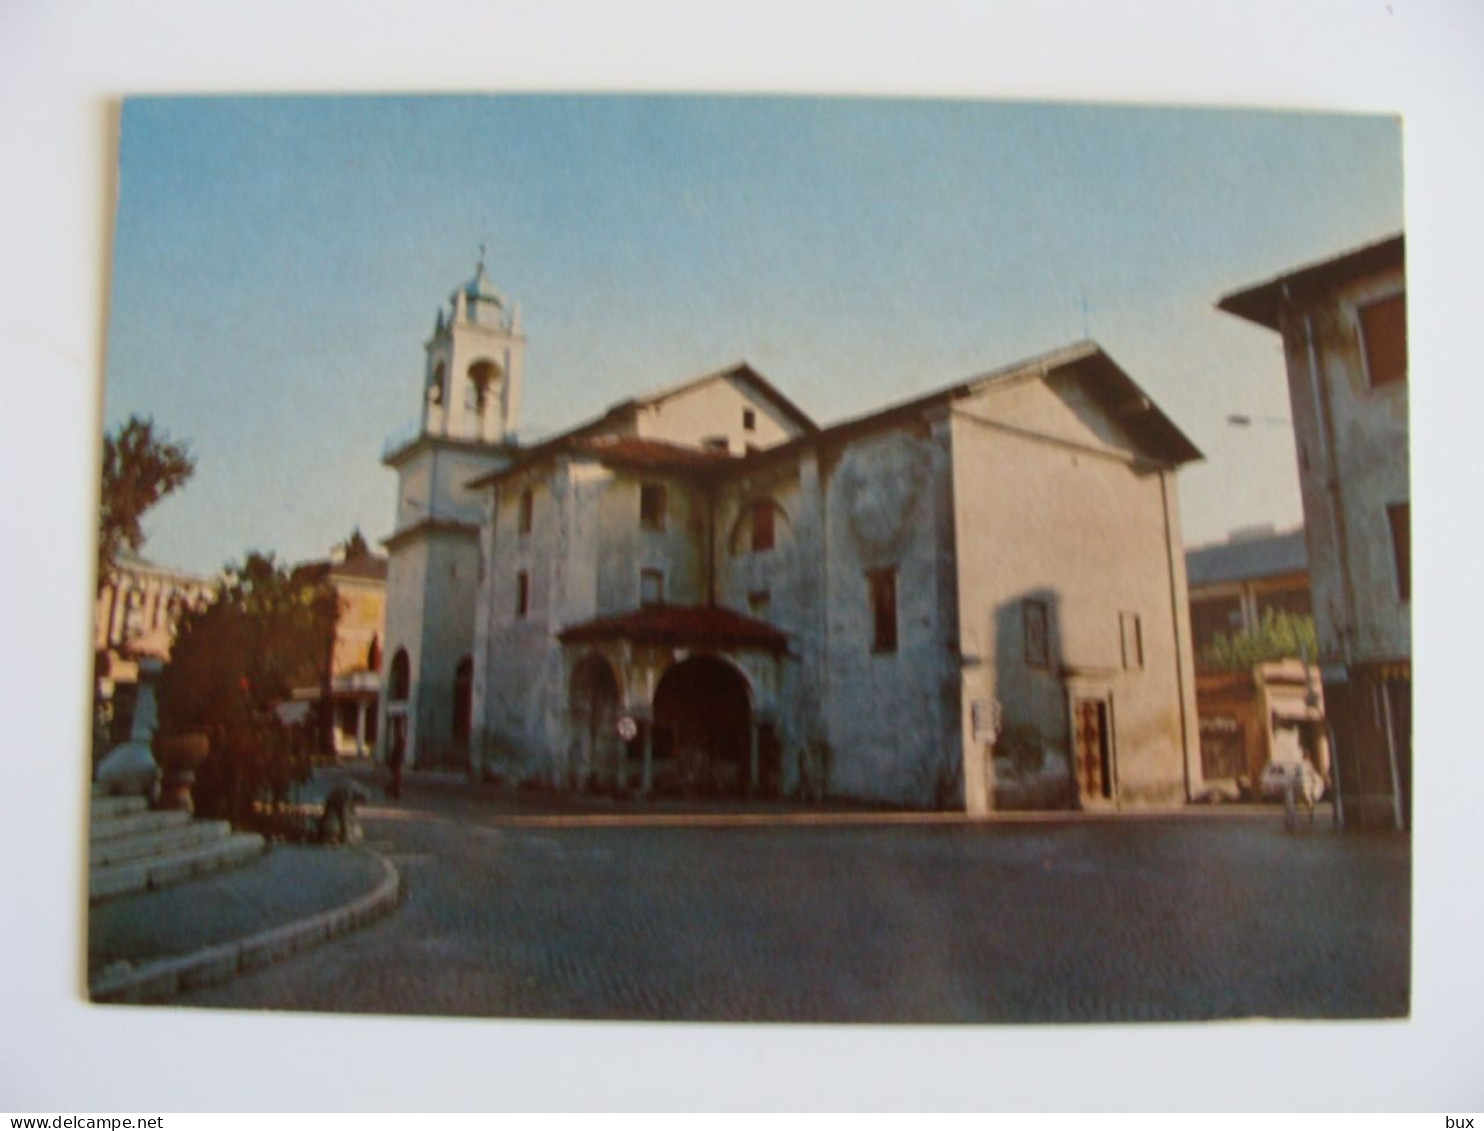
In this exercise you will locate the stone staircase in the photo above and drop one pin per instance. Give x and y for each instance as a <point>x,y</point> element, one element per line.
<point>133,848</point>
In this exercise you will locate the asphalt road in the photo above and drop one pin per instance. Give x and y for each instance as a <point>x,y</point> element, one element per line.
<point>1081,921</point>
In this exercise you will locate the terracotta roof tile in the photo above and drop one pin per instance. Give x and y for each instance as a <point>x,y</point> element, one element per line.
<point>680,624</point>
<point>658,455</point>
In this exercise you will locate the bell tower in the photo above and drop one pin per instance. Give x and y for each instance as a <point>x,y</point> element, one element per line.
<point>470,403</point>
<point>475,360</point>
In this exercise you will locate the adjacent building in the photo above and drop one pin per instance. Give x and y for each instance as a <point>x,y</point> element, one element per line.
<point>1344,329</point>
<point>1273,710</point>
<point>974,599</point>
<point>136,614</point>
<point>349,703</point>
<point>1236,583</point>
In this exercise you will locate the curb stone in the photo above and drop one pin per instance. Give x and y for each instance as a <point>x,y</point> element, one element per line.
<point>162,978</point>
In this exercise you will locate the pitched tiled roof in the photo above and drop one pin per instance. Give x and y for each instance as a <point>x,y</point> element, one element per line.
<point>1248,559</point>
<point>658,455</point>
<point>696,625</point>
<point>738,371</point>
<point>1104,379</point>
<point>366,567</point>
<point>1263,303</point>
<point>371,567</point>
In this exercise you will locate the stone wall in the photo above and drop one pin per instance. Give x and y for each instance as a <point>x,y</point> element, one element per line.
<point>1074,524</point>
<point>714,409</point>
<point>1368,442</point>
<point>890,714</point>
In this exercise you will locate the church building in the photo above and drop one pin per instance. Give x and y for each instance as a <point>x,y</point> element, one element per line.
<point>974,599</point>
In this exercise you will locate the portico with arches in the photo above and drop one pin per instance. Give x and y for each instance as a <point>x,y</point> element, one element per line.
<point>661,708</point>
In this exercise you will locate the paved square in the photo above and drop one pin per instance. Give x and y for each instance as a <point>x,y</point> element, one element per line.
<point>1077,920</point>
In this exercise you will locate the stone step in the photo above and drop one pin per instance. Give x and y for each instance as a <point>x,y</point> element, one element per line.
<point>130,877</point>
<point>108,806</point>
<point>173,838</point>
<point>130,824</point>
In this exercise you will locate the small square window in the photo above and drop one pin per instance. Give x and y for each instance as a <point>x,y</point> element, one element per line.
<point>883,588</point>
<point>1131,637</point>
<point>522,593</point>
<point>652,503</point>
<point>1037,633</point>
<point>762,525</point>
<point>749,420</point>
<point>1383,332</point>
<point>527,510</point>
<point>651,587</point>
<point>1399,515</point>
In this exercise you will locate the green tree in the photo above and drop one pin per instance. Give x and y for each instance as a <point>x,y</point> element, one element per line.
<point>268,631</point>
<point>1280,636</point>
<point>140,467</point>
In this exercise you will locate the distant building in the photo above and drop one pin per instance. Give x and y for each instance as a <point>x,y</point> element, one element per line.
<point>975,598</point>
<point>1233,584</point>
<point>136,615</point>
<point>359,583</point>
<point>1344,328</point>
<point>1262,714</point>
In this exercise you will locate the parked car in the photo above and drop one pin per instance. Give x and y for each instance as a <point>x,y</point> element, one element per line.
<point>1272,784</point>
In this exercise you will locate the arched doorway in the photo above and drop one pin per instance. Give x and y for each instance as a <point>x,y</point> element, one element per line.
<point>703,727</point>
<point>398,687</point>
<point>399,682</point>
<point>596,749</point>
<point>463,701</point>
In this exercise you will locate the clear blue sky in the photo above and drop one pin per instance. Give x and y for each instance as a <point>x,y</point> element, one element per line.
<point>278,263</point>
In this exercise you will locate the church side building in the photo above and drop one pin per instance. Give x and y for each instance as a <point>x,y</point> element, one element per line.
<point>974,600</point>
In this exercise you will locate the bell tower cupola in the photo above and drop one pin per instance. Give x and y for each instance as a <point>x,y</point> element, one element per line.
<point>475,360</point>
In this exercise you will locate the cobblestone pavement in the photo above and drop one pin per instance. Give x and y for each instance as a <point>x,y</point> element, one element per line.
<point>1107,920</point>
<point>285,884</point>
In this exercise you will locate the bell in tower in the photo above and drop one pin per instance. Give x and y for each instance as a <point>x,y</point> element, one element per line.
<point>474,366</point>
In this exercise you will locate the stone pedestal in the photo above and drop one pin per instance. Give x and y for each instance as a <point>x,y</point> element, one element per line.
<point>129,769</point>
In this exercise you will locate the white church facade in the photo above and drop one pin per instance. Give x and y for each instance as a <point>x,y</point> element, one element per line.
<point>974,599</point>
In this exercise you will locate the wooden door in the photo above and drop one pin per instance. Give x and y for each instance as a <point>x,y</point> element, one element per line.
<point>1094,769</point>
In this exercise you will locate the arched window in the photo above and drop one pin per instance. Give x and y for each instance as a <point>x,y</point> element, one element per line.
<point>435,387</point>
<point>463,698</point>
<point>399,681</point>
<point>761,526</point>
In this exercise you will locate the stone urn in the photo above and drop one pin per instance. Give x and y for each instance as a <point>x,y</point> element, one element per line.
<point>179,755</point>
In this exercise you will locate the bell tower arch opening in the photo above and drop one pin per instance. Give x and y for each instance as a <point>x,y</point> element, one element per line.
<point>483,400</point>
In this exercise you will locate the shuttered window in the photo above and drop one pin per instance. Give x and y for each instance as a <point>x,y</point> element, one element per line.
<point>527,510</point>
<point>1037,633</point>
<point>1383,328</point>
<point>762,525</point>
<point>883,586</point>
<point>652,502</point>
<point>1400,517</point>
